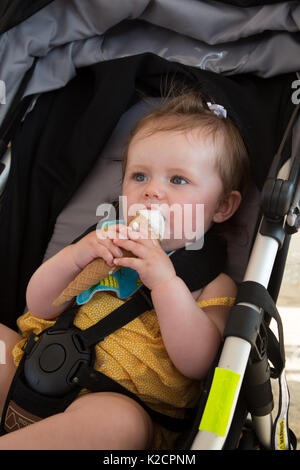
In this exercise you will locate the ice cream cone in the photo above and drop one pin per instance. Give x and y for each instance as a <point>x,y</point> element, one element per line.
<point>98,269</point>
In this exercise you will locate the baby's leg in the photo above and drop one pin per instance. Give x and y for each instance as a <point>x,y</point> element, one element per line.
<point>8,339</point>
<point>95,421</point>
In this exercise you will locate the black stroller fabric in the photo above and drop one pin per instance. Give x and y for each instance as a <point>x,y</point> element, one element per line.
<point>57,144</point>
<point>16,11</point>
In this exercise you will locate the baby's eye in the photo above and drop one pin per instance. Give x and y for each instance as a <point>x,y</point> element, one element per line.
<point>140,177</point>
<point>178,180</point>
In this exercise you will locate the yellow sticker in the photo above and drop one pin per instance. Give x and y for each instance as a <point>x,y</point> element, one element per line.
<point>220,400</point>
<point>282,445</point>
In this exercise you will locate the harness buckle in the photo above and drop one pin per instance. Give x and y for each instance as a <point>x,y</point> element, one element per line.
<point>52,361</point>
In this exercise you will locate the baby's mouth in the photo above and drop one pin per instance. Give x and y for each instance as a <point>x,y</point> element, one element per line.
<point>157,207</point>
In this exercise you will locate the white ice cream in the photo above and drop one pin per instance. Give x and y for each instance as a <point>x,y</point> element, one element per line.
<point>155,219</point>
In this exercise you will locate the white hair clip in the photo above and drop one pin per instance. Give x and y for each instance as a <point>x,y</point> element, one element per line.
<point>217,109</point>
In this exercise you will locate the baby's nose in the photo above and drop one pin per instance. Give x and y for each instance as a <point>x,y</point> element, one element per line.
<point>153,191</point>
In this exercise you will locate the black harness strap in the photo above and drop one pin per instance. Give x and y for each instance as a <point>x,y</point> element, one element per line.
<point>253,292</point>
<point>66,318</point>
<point>124,314</point>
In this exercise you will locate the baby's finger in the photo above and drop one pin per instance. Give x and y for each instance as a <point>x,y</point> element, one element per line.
<point>143,236</point>
<point>135,248</point>
<point>106,254</point>
<point>133,263</point>
<point>115,251</point>
<point>108,245</point>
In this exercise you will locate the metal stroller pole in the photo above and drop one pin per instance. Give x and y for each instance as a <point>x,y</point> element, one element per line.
<point>235,354</point>
<point>264,248</point>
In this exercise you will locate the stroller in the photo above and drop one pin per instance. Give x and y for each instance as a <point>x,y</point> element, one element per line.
<point>71,77</point>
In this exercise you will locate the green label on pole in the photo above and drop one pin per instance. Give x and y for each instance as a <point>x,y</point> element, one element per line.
<point>219,403</point>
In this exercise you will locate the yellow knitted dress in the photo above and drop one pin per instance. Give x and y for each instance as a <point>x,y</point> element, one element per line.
<point>134,356</point>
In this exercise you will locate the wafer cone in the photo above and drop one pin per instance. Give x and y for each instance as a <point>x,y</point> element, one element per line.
<point>98,269</point>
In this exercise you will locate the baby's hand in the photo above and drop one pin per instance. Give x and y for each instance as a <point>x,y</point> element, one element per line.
<point>97,244</point>
<point>151,262</point>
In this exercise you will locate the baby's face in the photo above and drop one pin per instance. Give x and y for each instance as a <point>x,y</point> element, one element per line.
<point>174,171</point>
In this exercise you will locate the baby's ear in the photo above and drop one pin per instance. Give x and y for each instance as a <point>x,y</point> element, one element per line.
<point>227,207</point>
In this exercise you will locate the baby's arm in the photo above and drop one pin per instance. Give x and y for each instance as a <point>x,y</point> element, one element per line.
<point>48,282</point>
<point>53,276</point>
<point>192,335</point>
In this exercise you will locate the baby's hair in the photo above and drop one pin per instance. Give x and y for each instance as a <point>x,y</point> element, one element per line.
<point>188,110</point>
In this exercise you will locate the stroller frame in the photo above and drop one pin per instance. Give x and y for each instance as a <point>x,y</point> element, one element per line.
<point>279,209</point>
